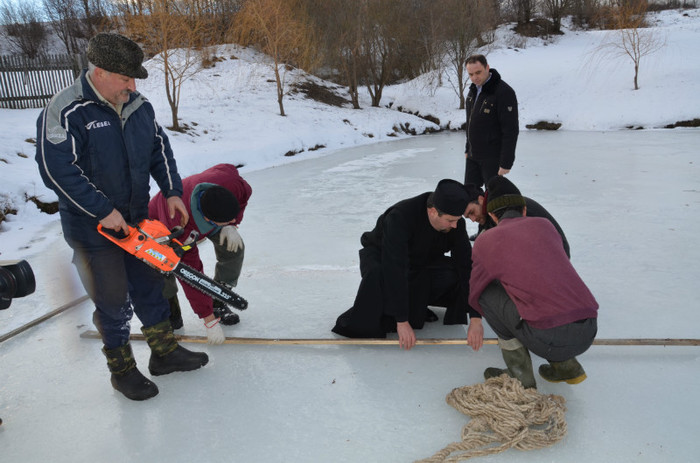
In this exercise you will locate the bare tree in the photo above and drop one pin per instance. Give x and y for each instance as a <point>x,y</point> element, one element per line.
<point>172,33</point>
<point>555,10</point>
<point>280,29</point>
<point>465,27</point>
<point>376,42</point>
<point>630,36</point>
<point>65,20</point>
<point>338,25</point>
<point>385,33</point>
<point>585,12</point>
<point>95,14</point>
<point>219,15</point>
<point>523,10</point>
<point>23,28</point>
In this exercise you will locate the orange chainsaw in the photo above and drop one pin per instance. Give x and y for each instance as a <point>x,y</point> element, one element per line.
<point>151,242</point>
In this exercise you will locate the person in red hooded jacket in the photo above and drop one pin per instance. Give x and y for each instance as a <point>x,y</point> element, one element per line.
<point>216,200</point>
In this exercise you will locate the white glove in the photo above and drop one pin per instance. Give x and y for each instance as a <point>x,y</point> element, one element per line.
<point>229,235</point>
<point>215,335</point>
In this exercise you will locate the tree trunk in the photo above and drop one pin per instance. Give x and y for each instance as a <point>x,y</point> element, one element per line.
<point>280,89</point>
<point>169,93</point>
<point>354,96</point>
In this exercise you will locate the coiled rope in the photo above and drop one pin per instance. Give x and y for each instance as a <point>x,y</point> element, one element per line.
<point>503,415</point>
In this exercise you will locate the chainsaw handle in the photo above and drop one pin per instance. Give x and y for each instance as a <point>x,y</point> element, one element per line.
<point>116,234</point>
<point>176,232</point>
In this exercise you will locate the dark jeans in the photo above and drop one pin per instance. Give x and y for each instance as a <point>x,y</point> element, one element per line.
<point>120,285</point>
<point>554,344</point>
<point>479,172</point>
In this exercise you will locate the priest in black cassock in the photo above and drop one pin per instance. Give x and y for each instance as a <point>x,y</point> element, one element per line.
<point>418,254</point>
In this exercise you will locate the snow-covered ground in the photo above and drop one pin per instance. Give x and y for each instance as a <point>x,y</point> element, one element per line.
<point>627,200</point>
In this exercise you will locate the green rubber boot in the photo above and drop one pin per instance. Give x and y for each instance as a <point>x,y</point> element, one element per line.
<point>126,378</point>
<point>167,356</point>
<point>518,363</point>
<point>569,371</point>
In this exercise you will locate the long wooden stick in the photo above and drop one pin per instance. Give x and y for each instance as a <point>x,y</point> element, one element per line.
<point>43,318</point>
<point>91,334</point>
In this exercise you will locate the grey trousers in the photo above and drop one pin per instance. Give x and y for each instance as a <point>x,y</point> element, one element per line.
<point>554,344</point>
<point>227,270</point>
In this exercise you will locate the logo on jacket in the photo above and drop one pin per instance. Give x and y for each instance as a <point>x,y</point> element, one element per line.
<point>97,125</point>
<point>56,134</point>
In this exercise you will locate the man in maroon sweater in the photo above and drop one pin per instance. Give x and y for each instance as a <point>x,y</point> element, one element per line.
<point>524,285</point>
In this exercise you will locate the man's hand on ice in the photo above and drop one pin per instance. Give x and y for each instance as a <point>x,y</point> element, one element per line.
<point>475,333</point>
<point>407,337</point>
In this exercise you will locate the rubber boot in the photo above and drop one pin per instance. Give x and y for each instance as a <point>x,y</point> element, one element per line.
<point>126,378</point>
<point>167,356</point>
<point>175,313</point>
<point>569,370</point>
<point>518,363</point>
<point>227,317</point>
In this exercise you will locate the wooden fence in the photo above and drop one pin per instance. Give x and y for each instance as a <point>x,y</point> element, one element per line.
<point>30,83</point>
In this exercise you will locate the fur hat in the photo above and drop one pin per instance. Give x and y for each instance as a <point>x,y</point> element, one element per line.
<point>501,194</point>
<point>450,198</point>
<point>118,54</point>
<point>218,204</point>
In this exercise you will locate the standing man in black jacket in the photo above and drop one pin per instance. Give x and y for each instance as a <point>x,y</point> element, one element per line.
<point>492,123</point>
<point>405,268</point>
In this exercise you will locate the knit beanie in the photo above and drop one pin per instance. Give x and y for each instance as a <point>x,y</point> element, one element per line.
<point>450,198</point>
<point>502,193</point>
<point>218,204</point>
<point>118,54</point>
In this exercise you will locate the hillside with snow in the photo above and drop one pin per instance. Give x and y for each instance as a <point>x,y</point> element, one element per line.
<point>232,112</point>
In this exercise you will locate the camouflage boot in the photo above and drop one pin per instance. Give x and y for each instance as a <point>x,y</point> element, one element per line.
<point>569,370</point>
<point>167,355</point>
<point>518,363</point>
<point>126,378</point>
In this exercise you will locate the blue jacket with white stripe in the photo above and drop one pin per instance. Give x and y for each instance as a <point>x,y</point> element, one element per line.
<point>96,160</point>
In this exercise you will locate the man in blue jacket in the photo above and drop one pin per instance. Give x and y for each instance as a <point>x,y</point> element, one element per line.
<point>98,144</point>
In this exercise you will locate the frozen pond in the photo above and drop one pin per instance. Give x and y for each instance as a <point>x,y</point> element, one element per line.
<point>629,203</point>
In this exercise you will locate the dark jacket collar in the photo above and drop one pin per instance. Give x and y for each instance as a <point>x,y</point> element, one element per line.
<point>490,85</point>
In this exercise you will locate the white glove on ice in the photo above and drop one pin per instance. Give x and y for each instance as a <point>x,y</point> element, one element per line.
<point>229,235</point>
<point>215,335</point>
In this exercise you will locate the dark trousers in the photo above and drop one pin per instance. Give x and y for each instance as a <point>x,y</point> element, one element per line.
<point>436,284</point>
<point>479,172</point>
<point>554,344</point>
<point>120,285</point>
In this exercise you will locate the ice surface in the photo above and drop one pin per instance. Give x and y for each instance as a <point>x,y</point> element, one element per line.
<point>358,403</point>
